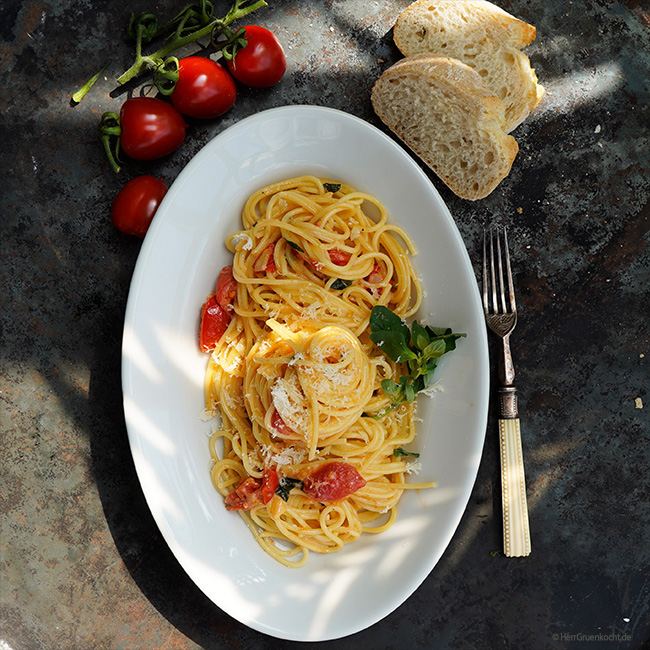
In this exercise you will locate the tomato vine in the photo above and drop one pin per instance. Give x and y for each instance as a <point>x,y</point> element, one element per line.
<point>195,21</point>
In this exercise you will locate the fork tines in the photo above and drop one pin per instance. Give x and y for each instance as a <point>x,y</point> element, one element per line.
<point>498,286</point>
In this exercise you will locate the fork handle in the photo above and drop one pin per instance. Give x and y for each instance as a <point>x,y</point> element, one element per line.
<point>516,533</point>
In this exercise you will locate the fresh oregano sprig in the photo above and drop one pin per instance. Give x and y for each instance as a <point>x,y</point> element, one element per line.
<point>420,346</point>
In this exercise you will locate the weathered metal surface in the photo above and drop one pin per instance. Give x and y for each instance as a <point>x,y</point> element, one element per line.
<point>83,564</point>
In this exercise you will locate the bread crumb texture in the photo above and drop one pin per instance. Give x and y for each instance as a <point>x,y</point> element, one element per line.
<point>443,110</point>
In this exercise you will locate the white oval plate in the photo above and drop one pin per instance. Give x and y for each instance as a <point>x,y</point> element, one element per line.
<point>338,594</point>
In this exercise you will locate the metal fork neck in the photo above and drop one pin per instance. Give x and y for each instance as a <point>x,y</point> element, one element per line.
<point>508,408</point>
<point>506,365</point>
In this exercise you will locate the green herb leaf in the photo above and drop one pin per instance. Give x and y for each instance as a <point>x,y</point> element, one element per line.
<point>390,387</point>
<point>419,335</point>
<point>400,451</point>
<point>382,318</point>
<point>286,485</point>
<point>332,187</point>
<point>339,284</point>
<point>294,245</point>
<point>435,349</point>
<point>393,345</point>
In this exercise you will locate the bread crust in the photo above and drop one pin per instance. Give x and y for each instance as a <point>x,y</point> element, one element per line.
<point>445,113</point>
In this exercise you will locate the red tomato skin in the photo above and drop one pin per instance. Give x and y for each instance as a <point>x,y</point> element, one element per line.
<point>226,288</point>
<point>253,491</point>
<point>245,496</point>
<point>265,262</point>
<point>339,257</point>
<point>333,481</point>
<point>136,203</point>
<point>262,63</point>
<point>270,482</point>
<point>151,128</point>
<point>214,322</point>
<point>204,88</point>
<point>278,425</point>
<point>376,275</point>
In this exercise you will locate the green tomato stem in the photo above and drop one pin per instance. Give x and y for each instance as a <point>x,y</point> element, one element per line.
<point>81,93</point>
<point>110,130</point>
<point>147,63</point>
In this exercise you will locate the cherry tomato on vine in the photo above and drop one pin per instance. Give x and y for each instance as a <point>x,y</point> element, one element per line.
<point>204,88</point>
<point>151,128</point>
<point>136,203</point>
<point>262,62</point>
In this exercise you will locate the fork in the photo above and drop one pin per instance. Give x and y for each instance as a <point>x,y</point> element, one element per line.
<point>501,317</point>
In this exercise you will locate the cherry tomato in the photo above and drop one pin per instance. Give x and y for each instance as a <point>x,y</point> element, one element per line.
<point>339,257</point>
<point>246,495</point>
<point>270,482</point>
<point>279,426</point>
<point>136,203</point>
<point>262,62</point>
<point>265,262</point>
<point>214,322</point>
<point>332,481</point>
<point>253,491</point>
<point>151,128</point>
<point>204,88</point>
<point>376,275</point>
<point>226,288</point>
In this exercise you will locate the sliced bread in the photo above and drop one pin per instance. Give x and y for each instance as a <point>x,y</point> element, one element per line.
<point>443,110</point>
<point>483,36</point>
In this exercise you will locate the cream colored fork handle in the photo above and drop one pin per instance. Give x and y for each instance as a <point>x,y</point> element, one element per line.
<point>516,533</point>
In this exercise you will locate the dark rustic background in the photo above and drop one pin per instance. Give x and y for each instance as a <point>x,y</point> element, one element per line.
<point>82,564</point>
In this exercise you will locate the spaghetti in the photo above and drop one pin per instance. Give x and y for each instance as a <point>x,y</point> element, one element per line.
<point>305,442</point>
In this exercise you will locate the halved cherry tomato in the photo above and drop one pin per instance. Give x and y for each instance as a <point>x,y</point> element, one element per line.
<point>204,88</point>
<point>246,495</point>
<point>376,275</point>
<point>253,491</point>
<point>262,62</point>
<point>270,482</point>
<point>136,203</point>
<point>214,322</point>
<point>332,481</point>
<point>151,128</point>
<point>226,288</point>
<point>339,257</point>
<point>278,425</point>
<point>265,262</point>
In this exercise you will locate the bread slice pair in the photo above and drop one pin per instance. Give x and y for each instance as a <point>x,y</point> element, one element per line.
<point>484,37</point>
<point>443,110</point>
<point>463,86</point>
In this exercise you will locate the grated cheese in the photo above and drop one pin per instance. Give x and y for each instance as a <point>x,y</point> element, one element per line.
<point>430,390</point>
<point>242,236</point>
<point>413,467</point>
